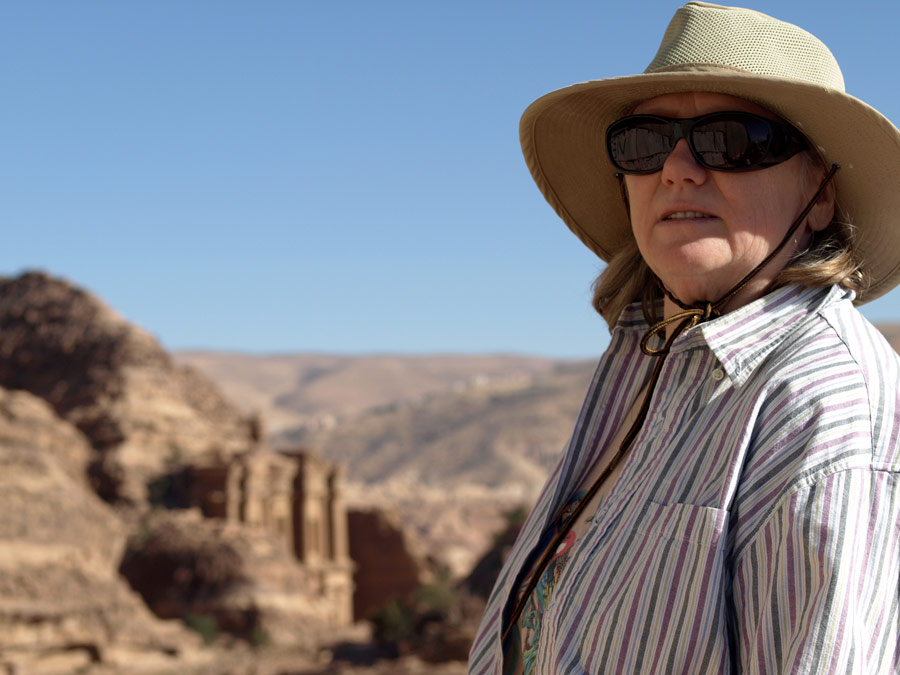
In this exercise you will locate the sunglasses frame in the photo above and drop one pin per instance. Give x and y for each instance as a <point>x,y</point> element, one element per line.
<point>785,140</point>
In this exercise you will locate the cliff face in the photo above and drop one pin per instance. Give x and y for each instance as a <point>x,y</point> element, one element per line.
<point>142,414</point>
<point>390,562</point>
<point>61,600</point>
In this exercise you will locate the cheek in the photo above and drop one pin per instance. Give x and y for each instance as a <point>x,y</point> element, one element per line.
<point>788,191</point>
<point>638,193</point>
<point>770,206</point>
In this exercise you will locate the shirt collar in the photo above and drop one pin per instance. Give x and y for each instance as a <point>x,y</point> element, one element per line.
<point>743,338</point>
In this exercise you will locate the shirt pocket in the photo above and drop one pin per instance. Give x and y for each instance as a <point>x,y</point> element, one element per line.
<point>646,596</point>
<point>688,523</point>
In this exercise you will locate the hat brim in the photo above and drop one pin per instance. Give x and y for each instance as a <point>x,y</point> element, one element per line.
<point>563,136</point>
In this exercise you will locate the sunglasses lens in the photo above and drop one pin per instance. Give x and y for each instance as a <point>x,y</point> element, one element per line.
<point>731,143</point>
<point>728,141</point>
<point>640,144</point>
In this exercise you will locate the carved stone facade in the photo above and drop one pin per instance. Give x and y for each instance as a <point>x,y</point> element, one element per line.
<point>296,495</point>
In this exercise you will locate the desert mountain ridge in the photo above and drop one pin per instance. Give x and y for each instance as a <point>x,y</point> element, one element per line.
<point>497,432</point>
<point>444,420</point>
<point>315,390</point>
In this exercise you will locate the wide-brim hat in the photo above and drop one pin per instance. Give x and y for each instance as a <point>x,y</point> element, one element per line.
<point>736,51</point>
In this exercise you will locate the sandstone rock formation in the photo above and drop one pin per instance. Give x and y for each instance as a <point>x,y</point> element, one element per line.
<point>412,603</point>
<point>242,578</point>
<point>390,562</point>
<point>891,332</point>
<point>113,381</point>
<point>62,603</point>
<point>97,397</point>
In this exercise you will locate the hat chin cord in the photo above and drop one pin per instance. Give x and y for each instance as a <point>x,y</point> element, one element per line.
<point>699,312</point>
<point>690,316</point>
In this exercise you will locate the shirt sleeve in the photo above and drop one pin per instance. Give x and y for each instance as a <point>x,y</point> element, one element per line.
<point>816,589</point>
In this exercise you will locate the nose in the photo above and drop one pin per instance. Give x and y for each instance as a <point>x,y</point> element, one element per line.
<point>680,166</point>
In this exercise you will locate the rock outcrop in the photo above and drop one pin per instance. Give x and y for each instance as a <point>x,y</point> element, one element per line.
<point>390,562</point>
<point>241,579</point>
<point>62,603</point>
<point>142,414</point>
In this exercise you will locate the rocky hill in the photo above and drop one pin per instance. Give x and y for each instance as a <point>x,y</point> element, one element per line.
<point>493,421</point>
<point>139,410</point>
<point>62,603</point>
<point>95,418</point>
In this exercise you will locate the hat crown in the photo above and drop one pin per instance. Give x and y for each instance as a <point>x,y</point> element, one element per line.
<point>702,34</point>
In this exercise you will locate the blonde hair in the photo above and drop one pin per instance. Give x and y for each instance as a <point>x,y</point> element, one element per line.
<point>829,259</point>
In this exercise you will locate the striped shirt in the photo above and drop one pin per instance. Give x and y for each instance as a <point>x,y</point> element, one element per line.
<point>755,525</point>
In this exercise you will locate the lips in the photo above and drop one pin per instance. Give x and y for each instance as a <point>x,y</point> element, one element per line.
<point>683,215</point>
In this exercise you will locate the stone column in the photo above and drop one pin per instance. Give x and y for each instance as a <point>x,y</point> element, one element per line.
<point>309,515</point>
<point>339,543</point>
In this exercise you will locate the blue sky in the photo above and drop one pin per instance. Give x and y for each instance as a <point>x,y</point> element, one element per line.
<point>329,176</point>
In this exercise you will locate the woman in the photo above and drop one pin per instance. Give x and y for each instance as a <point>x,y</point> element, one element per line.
<point>730,498</point>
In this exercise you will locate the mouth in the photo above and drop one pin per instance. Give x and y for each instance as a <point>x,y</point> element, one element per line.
<point>684,215</point>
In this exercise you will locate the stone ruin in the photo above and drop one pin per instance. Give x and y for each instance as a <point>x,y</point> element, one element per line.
<point>255,545</point>
<point>298,497</point>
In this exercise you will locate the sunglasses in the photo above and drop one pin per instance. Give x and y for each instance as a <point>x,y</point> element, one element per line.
<point>721,141</point>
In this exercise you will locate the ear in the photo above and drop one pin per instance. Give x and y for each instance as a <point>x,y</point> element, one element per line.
<point>822,213</point>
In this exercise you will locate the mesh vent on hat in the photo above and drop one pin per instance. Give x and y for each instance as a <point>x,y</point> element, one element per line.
<point>701,33</point>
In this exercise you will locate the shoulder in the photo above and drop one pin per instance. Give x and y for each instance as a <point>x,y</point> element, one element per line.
<point>829,402</point>
<point>837,364</point>
<point>862,342</point>
<point>836,333</point>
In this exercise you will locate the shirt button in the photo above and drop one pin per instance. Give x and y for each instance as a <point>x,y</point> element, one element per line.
<point>718,374</point>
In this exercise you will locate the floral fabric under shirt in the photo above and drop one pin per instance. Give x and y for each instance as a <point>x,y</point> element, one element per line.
<point>521,644</point>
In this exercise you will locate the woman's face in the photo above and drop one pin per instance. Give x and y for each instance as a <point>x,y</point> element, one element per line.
<point>702,231</point>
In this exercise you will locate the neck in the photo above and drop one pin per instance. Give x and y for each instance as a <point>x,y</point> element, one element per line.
<point>754,285</point>
<point>752,290</point>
